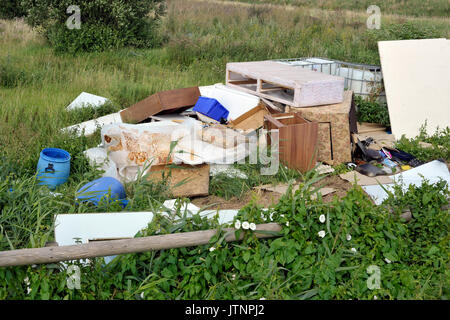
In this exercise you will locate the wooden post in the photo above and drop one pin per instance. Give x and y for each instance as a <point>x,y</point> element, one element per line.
<point>112,247</point>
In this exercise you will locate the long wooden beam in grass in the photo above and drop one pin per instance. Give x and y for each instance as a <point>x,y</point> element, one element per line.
<point>112,247</point>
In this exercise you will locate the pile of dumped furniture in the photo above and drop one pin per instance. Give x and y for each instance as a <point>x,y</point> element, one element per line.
<point>301,109</point>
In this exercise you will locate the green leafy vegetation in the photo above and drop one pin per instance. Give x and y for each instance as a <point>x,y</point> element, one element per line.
<point>105,24</point>
<point>36,85</point>
<point>372,111</point>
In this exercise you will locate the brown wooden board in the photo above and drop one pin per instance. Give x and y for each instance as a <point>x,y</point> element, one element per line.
<point>185,180</point>
<point>297,140</point>
<point>251,120</point>
<point>161,102</point>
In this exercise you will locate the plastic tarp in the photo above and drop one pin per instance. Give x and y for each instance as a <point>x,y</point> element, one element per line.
<point>134,148</point>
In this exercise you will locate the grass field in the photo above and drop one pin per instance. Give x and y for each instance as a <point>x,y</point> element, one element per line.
<point>202,36</point>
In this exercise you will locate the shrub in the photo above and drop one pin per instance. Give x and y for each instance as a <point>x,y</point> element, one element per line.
<point>372,111</point>
<point>11,9</point>
<point>104,24</point>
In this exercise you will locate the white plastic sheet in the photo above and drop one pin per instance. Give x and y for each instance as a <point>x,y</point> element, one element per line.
<point>432,171</point>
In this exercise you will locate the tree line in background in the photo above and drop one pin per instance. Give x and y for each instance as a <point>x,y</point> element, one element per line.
<point>102,24</point>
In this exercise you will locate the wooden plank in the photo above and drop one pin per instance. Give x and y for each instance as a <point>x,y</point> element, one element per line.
<point>251,120</point>
<point>161,102</point>
<point>107,248</point>
<point>184,180</point>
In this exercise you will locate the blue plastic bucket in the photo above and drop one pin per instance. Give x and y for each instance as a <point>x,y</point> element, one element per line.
<point>104,189</point>
<point>53,167</point>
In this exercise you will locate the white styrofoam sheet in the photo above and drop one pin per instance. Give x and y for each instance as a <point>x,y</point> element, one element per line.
<point>86,99</point>
<point>235,101</point>
<point>432,171</point>
<point>94,226</point>
<point>416,77</point>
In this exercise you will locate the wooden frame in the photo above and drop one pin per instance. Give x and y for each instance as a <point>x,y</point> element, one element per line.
<point>296,87</point>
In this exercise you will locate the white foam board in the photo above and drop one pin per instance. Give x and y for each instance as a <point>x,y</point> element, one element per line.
<point>86,99</point>
<point>90,126</point>
<point>235,101</point>
<point>416,76</point>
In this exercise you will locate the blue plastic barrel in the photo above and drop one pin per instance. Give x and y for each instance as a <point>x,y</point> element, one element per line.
<point>211,108</point>
<point>53,167</point>
<point>103,189</point>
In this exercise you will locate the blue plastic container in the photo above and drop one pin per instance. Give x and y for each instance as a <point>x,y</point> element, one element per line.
<point>53,167</point>
<point>106,189</point>
<point>211,108</point>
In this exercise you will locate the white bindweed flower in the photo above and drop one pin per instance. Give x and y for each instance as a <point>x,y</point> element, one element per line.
<point>252,226</point>
<point>271,216</point>
<point>287,224</point>
<point>212,249</point>
<point>233,277</point>
<point>27,282</point>
<point>322,218</point>
<point>262,298</point>
<point>245,225</point>
<point>353,250</point>
<point>387,260</point>
<point>142,295</point>
<point>349,237</point>
<point>321,233</point>
<point>375,298</point>
<point>237,224</point>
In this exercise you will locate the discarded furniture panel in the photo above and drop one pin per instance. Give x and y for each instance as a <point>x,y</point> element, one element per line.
<point>297,139</point>
<point>161,102</point>
<point>86,100</point>
<point>251,120</point>
<point>417,81</point>
<point>89,127</point>
<point>336,121</point>
<point>184,180</point>
<point>295,87</point>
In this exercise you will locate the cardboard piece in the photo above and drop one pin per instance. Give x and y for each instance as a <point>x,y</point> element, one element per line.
<point>184,180</point>
<point>336,121</point>
<point>161,102</point>
<point>86,99</point>
<point>283,188</point>
<point>362,180</point>
<point>296,87</point>
<point>417,81</point>
<point>297,139</point>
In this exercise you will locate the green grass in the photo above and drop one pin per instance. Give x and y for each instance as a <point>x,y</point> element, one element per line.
<point>415,8</point>
<point>36,85</point>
